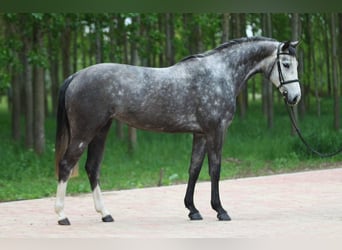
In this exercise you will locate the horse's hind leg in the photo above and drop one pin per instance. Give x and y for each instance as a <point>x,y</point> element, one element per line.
<point>67,163</point>
<point>94,159</point>
<point>197,157</point>
<point>59,204</point>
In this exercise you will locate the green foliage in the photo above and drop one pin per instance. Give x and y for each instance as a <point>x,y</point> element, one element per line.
<point>39,58</point>
<point>4,74</point>
<point>5,59</point>
<point>324,142</point>
<point>319,134</point>
<point>4,83</point>
<point>281,27</point>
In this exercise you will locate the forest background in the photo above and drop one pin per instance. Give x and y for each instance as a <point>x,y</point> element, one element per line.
<point>39,50</point>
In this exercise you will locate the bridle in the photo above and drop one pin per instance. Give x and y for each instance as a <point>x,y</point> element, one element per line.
<point>282,81</point>
<point>290,109</point>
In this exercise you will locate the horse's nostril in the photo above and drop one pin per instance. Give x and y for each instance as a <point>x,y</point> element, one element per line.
<point>295,100</point>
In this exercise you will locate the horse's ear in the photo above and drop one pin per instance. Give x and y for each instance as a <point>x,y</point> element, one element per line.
<point>294,44</point>
<point>285,45</point>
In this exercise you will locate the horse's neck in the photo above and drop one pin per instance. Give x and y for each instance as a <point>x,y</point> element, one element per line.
<point>246,61</point>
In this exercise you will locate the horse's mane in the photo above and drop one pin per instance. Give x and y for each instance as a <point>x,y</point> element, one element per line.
<point>227,45</point>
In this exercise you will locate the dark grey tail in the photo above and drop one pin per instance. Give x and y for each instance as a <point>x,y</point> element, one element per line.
<point>62,129</point>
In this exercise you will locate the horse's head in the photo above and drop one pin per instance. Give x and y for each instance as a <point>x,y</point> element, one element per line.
<point>283,72</point>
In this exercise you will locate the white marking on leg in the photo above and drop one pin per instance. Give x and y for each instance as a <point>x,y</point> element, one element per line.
<point>59,205</point>
<point>98,202</point>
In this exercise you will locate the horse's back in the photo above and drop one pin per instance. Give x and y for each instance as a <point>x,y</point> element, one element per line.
<point>147,98</point>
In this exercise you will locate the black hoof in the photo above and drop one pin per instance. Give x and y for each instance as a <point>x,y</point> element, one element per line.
<point>195,216</point>
<point>64,222</point>
<point>223,217</point>
<point>108,218</point>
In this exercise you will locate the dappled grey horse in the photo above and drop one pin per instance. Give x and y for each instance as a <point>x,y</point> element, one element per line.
<point>196,95</point>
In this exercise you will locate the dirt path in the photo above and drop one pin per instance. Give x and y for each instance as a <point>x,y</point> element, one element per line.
<point>305,204</point>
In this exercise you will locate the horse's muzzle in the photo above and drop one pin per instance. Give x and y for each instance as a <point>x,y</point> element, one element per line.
<point>291,101</point>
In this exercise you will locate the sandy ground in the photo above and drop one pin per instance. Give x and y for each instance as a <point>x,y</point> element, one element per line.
<point>305,204</point>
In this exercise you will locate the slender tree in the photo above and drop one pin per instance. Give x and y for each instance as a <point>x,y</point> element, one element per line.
<point>11,33</point>
<point>334,71</point>
<point>98,40</point>
<point>169,38</point>
<point>26,36</point>
<point>239,31</point>
<point>295,25</point>
<point>54,58</point>
<point>225,27</point>
<point>39,85</point>
<point>267,94</point>
<point>339,50</point>
<point>66,46</point>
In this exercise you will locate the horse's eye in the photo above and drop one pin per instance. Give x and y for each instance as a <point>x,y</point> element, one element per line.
<point>286,65</point>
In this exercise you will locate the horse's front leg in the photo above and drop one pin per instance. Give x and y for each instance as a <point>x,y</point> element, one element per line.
<point>214,149</point>
<point>198,153</point>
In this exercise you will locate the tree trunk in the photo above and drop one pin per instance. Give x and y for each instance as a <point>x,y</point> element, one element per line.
<point>193,30</point>
<point>74,49</point>
<point>39,94</point>
<point>339,51</point>
<point>29,139</point>
<point>15,96</point>
<point>312,63</point>
<point>198,37</point>
<point>98,42</point>
<point>243,96</point>
<point>328,56</point>
<point>66,45</point>
<point>162,43</point>
<point>267,95</point>
<point>170,34</point>
<point>16,106</point>
<point>295,24</point>
<point>54,62</point>
<point>28,88</point>
<point>334,71</point>
<point>225,27</point>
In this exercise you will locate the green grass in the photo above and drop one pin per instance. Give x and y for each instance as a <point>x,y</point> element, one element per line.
<point>250,150</point>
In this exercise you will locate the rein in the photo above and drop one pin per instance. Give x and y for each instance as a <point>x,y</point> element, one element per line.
<point>310,148</point>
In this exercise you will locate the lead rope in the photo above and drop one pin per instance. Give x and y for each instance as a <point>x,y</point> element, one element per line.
<point>293,121</point>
